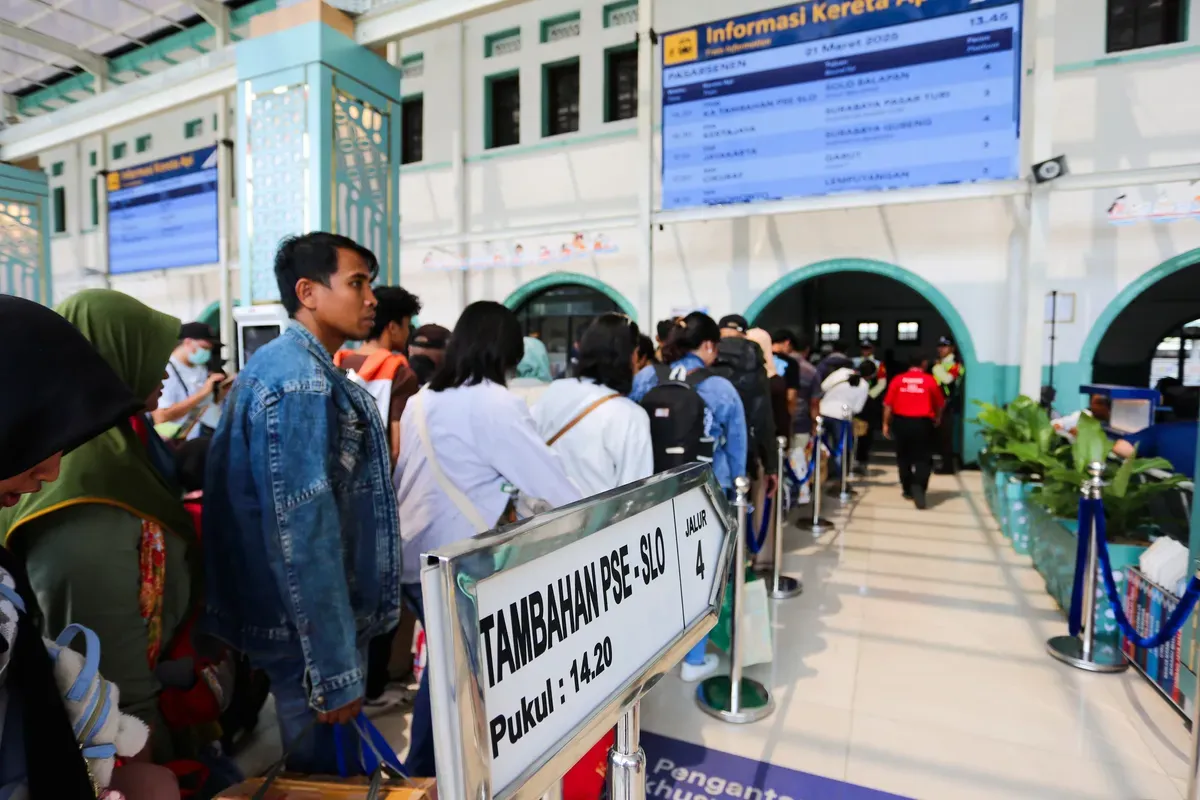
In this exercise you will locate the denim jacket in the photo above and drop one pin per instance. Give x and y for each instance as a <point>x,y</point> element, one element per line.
<point>301,533</point>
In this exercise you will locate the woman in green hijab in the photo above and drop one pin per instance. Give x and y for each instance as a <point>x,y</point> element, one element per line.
<point>109,545</point>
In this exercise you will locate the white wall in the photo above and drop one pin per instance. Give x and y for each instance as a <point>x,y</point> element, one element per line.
<point>1111,113</point>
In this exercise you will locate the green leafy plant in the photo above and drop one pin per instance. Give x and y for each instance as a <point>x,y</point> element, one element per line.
<point>1022,437</point>
<point>1127,493</point>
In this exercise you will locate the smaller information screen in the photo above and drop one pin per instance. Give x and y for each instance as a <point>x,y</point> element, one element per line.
<point>163,214</point>
<point>858,95</point>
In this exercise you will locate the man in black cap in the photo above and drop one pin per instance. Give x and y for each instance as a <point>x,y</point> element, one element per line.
<point>743,363</point>
<point>872,412</point>
<point>948,372</point>
<point>733,325</point>
<point>427,350</point>
<point>189,383</point>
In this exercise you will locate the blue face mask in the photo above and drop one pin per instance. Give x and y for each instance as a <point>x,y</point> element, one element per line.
<point>200,357</point>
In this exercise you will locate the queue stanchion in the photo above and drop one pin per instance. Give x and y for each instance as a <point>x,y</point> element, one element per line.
<point>1083,651</point>
<point>734,697</point>
<point>819,524</point>
<point>626,759</point>
<point>782,586</point>
<point>846,494</point>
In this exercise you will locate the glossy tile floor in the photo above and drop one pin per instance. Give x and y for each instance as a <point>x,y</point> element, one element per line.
<point>915,663</point>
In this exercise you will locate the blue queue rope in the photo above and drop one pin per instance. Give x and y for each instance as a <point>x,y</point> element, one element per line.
<point>1173,624</point>
<point>755,543</point>
<point>1075,617</point>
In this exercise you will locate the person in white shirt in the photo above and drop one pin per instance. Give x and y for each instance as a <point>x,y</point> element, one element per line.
<point>466,442</point>
<point>601,436</point>
<point>189,383</point>
<point>845,391</point>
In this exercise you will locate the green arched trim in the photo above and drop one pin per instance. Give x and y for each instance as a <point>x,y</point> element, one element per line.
<point>1087,354</point>
<point>525,293</point>
<point>211,315</point>
<point>962,334</point>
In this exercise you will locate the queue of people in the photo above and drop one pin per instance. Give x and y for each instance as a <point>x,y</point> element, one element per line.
<point>205,529</point>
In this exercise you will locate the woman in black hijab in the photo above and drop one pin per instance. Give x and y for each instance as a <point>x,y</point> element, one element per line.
<point>58,393</point>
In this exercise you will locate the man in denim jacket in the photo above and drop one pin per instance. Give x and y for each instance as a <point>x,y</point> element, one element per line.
<point>301,535</point>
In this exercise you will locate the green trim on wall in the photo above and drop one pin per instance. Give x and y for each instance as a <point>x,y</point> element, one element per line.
<point>489,41</point>
<point>528,291</point>
<point>609,52</point>
<point>563,62</point>
<point>983,382</point>
<point>1162,53</point>
<point>488,80</point>
<point>613,8</point>
<point>409,169</point>
<point>565,140</point>
<point>546,24</point>
<point>414,58</point>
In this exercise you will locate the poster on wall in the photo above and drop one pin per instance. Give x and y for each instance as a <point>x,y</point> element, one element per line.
<point>163,214</point>
<point>527,252</point>
<point>821,97</point>
<point>1163,202</point>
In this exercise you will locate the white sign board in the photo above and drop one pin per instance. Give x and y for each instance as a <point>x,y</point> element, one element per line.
<point>561,633</point>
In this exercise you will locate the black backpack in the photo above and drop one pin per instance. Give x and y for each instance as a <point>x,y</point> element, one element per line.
<point>677,412</point>
<point>740,361</point>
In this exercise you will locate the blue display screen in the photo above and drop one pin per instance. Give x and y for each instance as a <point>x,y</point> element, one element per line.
<point>163,214</point>
<point>822,97</point>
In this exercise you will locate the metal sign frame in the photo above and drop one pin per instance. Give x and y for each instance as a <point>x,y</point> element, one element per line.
<point>456,674</point>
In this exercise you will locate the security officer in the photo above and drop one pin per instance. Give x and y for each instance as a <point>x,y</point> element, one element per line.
<point>912,410</point>
<point>872,413</point>
<point>948,372</point>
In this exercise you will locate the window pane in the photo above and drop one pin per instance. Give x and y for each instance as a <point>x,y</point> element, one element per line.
<point>412,143</point>
<point>1134,24</point>
<point>563,99</point>
<point>622,85</point>
<point>506,112</point>
<point>908,331</point>
<point>868,331</point>
<point>60,210</point>
<point>95,192</point>
<point>831,331</point>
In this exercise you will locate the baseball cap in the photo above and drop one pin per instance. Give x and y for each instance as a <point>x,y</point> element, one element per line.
<point>199,330</point>
<point>735,322</point>
<point>866,343</point>
<point>431,336</point>
<point>945,341</point>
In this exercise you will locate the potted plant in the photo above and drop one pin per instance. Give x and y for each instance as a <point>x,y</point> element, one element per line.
<point>1130,522</point>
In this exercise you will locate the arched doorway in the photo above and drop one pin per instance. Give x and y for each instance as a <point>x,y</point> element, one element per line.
<point>557,307</point>
<point>1148,330</point>
<point>856,298</point>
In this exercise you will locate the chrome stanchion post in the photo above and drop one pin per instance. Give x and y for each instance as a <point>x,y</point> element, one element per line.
<point>627,759</point>
<point>845,494</point>
<point>732,697</point>
<point>819,525</point>
<point>1083,651</point>
<point>555,792</point>
<point>782,586</point>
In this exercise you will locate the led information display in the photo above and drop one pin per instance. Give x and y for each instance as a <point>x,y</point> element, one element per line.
<point>163,214</point>
<point>822,97</point>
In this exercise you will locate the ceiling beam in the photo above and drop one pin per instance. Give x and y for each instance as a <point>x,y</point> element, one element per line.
<point>93,63</point>
<point>215,13</point>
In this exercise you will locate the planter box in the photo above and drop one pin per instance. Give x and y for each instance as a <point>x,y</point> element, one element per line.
<point>999,489</point>
<point>1053,543</point>
<point>1016,515</point>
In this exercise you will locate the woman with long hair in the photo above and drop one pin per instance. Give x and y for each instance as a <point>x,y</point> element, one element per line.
<point>602,437</point>
<point>690,346</point>
<point>467,445</point>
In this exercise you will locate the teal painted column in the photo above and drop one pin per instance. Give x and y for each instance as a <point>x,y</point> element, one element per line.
<point>319,119</point>
<point>24,235</point>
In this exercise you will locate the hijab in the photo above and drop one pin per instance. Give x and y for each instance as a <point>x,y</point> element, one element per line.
<point>536,361</point>
<point>67,393</point>
<point>115,468</point>
<point>763,339</point>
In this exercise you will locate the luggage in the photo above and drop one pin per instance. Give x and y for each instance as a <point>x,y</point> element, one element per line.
<point>678,431</point>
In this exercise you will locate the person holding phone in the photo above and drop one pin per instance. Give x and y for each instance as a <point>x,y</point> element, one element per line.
<point>189,384</point>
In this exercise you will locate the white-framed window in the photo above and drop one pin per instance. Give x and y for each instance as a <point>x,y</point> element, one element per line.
<point>908,332</point>
<point>868,331</point>
<point>831,331</point>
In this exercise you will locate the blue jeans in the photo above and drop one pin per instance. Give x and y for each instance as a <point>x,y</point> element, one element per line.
<point>309,747</point>
<point>420,762</point>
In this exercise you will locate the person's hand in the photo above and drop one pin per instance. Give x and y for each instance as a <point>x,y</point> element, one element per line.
<point>772,485</point>
<point>212,382</point>
<point>340,716</point>
<point>887,432</point>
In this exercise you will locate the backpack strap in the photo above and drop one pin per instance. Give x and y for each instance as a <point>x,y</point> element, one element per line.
<point>10,594</point>
<point>456,495</point>
<point>579,417</point>
<point>663,373</point>
<point>698,376</point>
<point>91,664</point>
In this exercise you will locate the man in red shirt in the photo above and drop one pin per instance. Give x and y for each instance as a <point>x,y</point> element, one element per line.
<point>912,410</point>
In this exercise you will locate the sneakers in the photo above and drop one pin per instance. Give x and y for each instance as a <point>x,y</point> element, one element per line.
<point>805,495</point>
<point>698,672</point>
<point>905,493</point>
<point>918,497</point>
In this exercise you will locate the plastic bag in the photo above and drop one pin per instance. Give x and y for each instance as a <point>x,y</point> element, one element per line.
<point>755,626</point>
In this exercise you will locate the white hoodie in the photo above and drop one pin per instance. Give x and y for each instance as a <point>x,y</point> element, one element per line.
<point>839,392</point>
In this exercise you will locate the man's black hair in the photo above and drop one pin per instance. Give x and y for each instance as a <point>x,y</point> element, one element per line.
<point>840,346</point>
<point>916,358</point>
<point>486,344</point>
<point>782,335</point>
<point>663,328</point>
<point>645,348</point>
<point>424,367</point>
<point>867,368</point>
<point>606,352</point>
<point>394,305</point>
<point>313,256</point>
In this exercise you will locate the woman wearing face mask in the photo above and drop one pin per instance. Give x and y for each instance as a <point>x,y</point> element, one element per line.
<point>49,418</point>
<point>692,345</point>
<point>109,545</point>
<point>189,384</point>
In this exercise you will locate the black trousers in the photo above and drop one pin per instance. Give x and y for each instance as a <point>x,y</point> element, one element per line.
<point>914,438</point>
<point>862,453</point>
<point>945,439</point>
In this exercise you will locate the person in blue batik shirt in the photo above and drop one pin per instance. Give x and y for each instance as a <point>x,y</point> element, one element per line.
<point>692,345</point>
<point>301,532</point>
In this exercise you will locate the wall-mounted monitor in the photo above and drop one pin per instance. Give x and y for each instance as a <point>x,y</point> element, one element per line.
<point>163,214</point>
<point>820,97</point>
